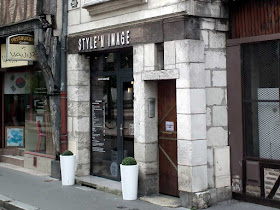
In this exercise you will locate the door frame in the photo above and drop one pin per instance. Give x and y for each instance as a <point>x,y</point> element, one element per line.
<point>122,75</point>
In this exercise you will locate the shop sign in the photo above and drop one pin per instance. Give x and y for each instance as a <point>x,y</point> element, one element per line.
<point>104,41</point>
<point>20,48</point>
<point>9,64</point>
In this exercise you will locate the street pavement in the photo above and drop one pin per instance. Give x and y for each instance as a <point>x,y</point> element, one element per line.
<point>46,193</point>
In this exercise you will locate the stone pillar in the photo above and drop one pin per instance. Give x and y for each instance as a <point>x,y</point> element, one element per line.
<point>188,57</point>
<point>145,128</point>
<point>213,33</point>
<point>78,124</point>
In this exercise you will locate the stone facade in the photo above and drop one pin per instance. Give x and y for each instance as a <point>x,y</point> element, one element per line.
<point>78,121</point>
<point>199,68</point>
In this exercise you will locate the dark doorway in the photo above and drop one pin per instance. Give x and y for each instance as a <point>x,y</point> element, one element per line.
<point>112,120</point>
<point>167,116</point>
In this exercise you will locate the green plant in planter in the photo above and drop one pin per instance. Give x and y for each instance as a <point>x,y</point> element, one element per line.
<point>67,153</point>
<point>129,161</point>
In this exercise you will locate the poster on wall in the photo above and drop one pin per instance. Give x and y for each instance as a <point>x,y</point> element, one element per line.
<point>17,83</point>
<point>14,136</point>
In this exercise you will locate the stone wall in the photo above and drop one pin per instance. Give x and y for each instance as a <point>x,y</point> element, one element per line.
<point>80,20</point>
<point>78,121</point>
<point>213,33</point>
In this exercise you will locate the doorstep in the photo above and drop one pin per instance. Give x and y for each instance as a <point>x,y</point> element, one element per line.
<point>102,184</point>
<point>162,200</point>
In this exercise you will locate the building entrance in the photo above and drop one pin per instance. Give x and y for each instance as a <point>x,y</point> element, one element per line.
<point>112,121</point>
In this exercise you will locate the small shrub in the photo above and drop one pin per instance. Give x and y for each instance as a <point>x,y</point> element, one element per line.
<point>67,153</point>
<point>129,161</point>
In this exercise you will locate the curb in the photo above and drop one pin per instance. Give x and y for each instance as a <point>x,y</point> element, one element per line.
<point>11,204</point>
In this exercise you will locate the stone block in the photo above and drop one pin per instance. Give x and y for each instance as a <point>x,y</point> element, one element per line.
<point>208,116</point>
<point>74,17</point>
<point>160,75</point>
<point>219,79</point>
<point>78,109</point>
<point>222,25</point>
<point>150,56</point>
<point>191,127</point>
<point>210,156</point>
<point>191,75</point>
<point>204,35</point>
<point>148,184</point>
<point>208,78</point>
<point>220,116</point>
<point>72,145</point>
<point>217,39</point>
<point>83,156</point>
<point>222,161</point>
<point>77,62</point>
<point>148,168</point>
<point>69,124</point>
<point>138,58</point>
<point>207,23</point>
<point>213,193</point>
<point>222,181</point>
<point>192,179</point>
<point>169,54</point>
<point>192,153</point>
<point>217,136</point>
<point>200,200</point>
<point>78,78</point>
<point>78,93</point>
<point>211,176</point>
<point>191,101</point>
<point>215,96</point>
<point>146,152</point>
<point>83,170</point>
<point>81,124</point>
<point>223,193</point>
<point>215,59</point>
<point>189,51</point>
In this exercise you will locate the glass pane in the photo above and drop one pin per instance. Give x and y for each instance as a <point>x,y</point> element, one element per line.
<point>104,127</point>
<point>27,105</point>
<point>128,119</point>
<point>126,60</point>
<point>105,62</point>
<point>260,71</point>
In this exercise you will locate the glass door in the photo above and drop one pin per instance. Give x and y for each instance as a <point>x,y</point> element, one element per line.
<point>112,122</point>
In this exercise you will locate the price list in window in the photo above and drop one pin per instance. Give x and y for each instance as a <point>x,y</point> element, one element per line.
<point>98,126</point>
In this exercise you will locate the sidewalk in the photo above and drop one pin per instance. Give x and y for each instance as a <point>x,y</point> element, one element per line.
<point>39,191</point>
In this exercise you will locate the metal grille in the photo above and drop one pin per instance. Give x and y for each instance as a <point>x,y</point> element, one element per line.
<point>260,73</point>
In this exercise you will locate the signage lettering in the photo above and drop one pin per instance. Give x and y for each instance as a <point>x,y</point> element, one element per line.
<point>95,42</point>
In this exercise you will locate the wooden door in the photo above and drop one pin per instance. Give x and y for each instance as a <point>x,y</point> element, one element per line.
<point>167,116</point>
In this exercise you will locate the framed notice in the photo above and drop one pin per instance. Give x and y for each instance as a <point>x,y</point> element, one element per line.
<point>14,136</point>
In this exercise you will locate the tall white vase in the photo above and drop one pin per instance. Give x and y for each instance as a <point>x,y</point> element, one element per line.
<point>67,166</point>
<point>129,178</point>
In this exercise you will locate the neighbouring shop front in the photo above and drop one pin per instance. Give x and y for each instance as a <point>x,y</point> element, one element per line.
<point>26,132</point>
<point>253,97</point>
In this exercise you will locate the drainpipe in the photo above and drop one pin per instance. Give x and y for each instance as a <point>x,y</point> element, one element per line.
<point>63,92</point>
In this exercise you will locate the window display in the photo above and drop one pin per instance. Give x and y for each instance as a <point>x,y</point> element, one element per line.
<point>26,106</point>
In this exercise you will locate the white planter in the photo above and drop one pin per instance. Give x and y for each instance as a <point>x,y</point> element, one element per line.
<point>67,166</point>
<point>129,179</point>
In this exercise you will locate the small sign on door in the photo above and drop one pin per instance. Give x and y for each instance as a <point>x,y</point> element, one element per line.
<point>169,126</point>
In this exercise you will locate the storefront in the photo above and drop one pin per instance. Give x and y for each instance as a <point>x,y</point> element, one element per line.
<point>26,123</point>
<point>154,90</point>
<point>253,97</point>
